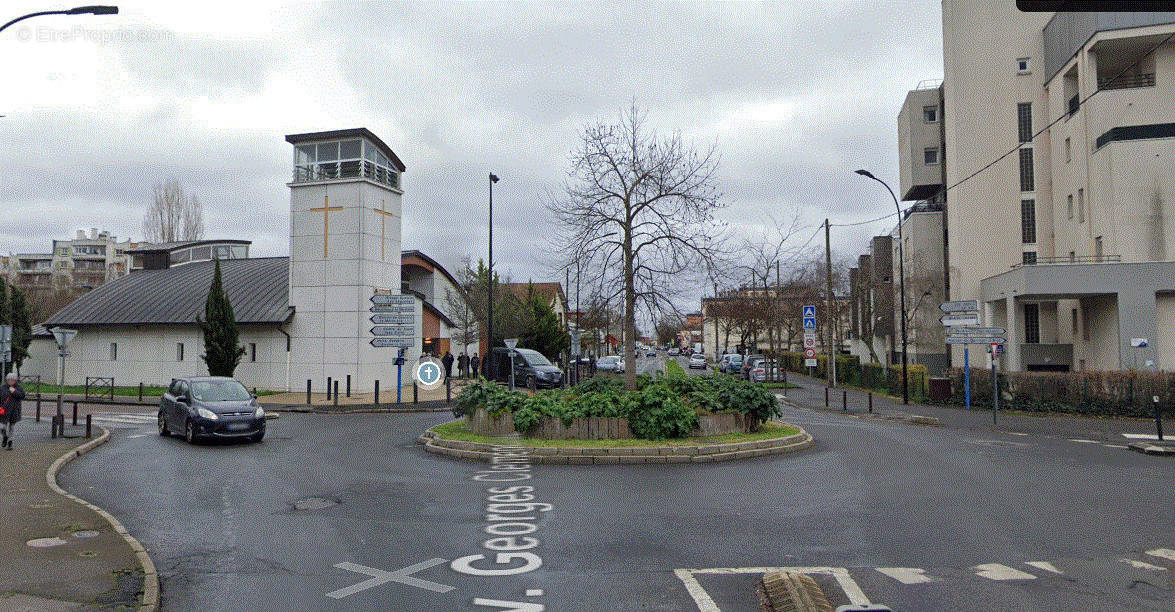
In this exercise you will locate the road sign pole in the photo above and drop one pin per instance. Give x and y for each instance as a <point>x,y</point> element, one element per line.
<point>995,389</point>
<point>399,383</point>
<point>967,374</point>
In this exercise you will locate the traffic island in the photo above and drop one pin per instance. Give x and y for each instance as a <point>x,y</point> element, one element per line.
<point>1153,447</point>
<point>455,440</point>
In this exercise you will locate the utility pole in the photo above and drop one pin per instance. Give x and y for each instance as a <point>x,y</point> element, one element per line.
<point>831,369</point>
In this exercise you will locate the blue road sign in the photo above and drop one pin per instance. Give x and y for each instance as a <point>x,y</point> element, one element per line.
<point>809,312</point>
<point>810,323</point>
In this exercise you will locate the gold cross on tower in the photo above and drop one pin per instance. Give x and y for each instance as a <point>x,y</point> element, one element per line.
<point>326,210</point>
<point>383,228</point>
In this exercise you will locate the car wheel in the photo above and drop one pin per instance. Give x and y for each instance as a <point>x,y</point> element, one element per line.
<point>190,432</point>
<point>163,425</point>
<point>257,437</point>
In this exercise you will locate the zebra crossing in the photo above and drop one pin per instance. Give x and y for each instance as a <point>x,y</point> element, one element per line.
<point>123,420</point>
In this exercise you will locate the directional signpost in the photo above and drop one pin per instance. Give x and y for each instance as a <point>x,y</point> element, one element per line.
<point>953,319</point>
<point>394,315</point>
<point>962,320</point>
<point>810,337</point>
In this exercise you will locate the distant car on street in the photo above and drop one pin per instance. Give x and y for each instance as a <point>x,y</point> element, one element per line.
<point>731,363</point>
<point>210,407</point>
<point>651,353</point>
<point>528,365</point>
<point>674,352</point>
<point>611,363</point>
<point>697,361</point>
<point>763,369</point>
<point>748,363</point>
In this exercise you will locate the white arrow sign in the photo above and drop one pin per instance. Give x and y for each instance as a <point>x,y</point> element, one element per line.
<point>978,331</point>
<point>378,577</point>
<point>960,319</point>
<point>959,306</point>
<point>975,340</point>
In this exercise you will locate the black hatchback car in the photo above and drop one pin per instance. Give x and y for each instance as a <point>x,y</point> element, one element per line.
<point>529,365</point>
<point>210,407</point>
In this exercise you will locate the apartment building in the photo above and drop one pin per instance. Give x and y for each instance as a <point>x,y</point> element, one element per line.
<point>80,264</point>
<point>1068,240</point>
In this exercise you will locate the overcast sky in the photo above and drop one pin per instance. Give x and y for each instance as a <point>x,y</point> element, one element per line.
<point>795,96</point>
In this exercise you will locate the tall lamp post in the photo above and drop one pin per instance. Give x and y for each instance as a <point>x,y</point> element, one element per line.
<point>490,302</point>
<point>902,276</point>
<point>79,10</point>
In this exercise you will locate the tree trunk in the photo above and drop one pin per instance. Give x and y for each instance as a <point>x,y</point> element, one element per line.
<point>629,308</point>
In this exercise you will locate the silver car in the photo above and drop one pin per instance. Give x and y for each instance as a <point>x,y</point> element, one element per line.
<point>611,363</point>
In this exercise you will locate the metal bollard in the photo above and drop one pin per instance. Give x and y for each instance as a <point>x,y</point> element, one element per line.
<point>415,392</point>
<point>844,401</point>
<point>89,426</point>
<point>140,394</point>
<point>825,397</point>
<point>377,392</point>
<point>336,395</point>
<point>75,414</point>
<point>53,427</point>
<point>348,385</point>
<point>328,383</point>
<point>448,391</point>
<point>1158,419</point>
<point>870,402</point>
<point>308,383</point>
<point>38,407</point>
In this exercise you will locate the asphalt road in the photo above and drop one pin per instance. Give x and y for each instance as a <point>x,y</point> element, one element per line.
<point>917,518</point>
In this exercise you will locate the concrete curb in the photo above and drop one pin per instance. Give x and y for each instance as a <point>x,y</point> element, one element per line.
<point>913,419</point>
<point>356,409</point>
<point>704,453</point>
<point>150,600</point>
<point>1152,448</point>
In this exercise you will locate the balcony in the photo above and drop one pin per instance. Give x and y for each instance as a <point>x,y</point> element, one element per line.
<point>1085,259</point>
<point>336,170</point>
<point>1126,81</point>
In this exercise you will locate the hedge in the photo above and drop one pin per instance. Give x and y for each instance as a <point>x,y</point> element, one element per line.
<point>1109,393</point>
<point>871,376</point>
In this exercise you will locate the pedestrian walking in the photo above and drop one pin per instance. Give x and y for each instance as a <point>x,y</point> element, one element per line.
<point>10,395</point>
<point>447,361</point>
<point>474,362</point>
<point>462,366</point>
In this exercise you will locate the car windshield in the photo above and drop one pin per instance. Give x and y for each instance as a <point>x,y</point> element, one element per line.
<point>219,391</point>
<point>608,359</point>
<point>533,358</point>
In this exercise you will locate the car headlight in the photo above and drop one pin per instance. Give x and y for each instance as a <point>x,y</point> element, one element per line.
<point>259,413</point>
<point>208,414</point>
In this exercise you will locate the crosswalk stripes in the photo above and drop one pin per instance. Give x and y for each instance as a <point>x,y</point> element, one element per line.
<point>1143,565</point>
<point>123,419</point>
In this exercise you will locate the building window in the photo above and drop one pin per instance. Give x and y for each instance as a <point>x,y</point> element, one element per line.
<point>1029,258</point>
<point>1024,121</point>
<point>179,351</point>
<point>931,156</point>
<point>1081,205</point>
<point>252,351</point>
<point>1024,65</point>
<point>1074,323</point>
<point>1068,151</point>
<point>114,351</point>
<point>1032,324</point>
<point>1028,221</point>
<point>930,114</point>
<point>1026,179</point>
<point>1069,198</point>
<point>1097,248</point>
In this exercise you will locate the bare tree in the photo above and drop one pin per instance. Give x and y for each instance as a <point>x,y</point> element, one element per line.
<point>638,216</point>
<point>173,215</point>
<point>459,309</point>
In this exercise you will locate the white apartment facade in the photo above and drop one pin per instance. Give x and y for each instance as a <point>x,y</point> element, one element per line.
<point>82,263</point>
<point>1068,241</point>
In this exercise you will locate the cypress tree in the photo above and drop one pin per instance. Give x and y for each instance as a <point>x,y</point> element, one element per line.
<point>219,325</point>
<point>22,329</point>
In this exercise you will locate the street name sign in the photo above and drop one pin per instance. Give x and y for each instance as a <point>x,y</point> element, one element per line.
<point>978,331</point>
<point>959,306</point>
<point>392,341</point>
<point>975,340</point>
<point>392,319</point>
<point>965,318</point>
<point>406,331</point>
<point>397,299</point>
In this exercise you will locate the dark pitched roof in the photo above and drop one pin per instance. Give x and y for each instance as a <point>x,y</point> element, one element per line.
<point>258,289</point>
<point>350,133</point>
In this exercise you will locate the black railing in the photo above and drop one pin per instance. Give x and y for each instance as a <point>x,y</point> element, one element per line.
<point>1127,81</point>
<point>98,387</point>
<point>1071,260</point>
<point>354,168</point>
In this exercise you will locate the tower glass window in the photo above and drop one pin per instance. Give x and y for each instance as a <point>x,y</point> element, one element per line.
<point>1032,323</point>
<point>1028,221</point>
<point>1024,121</point>
<point>1027,183</point>
<point>930,114</point>
<point>344,159</point>
<point>930,155</point>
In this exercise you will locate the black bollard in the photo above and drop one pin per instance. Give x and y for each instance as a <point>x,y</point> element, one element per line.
<point>336,394</point>
<point>38,407</point>
<point>825,397</point>
<point>348,385</point>
<point>75,414</point>
<point>53,433</point>
<point>140,394</point>
<point>844,400</point>
<point>377,392</point>
<point>328,383</point>
<point>308,383</point>
<point>448,391</point>
<point>89,426</point>
<point>870,402</point>
<point>415,394</point>
<point>1158,419</point>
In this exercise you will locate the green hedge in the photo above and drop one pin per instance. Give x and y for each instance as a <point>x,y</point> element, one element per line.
<point>660,407</point>
<point>872,376</point>
<point>1110,393</point>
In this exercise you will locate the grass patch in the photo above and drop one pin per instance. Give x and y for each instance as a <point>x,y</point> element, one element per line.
<point>457,430</point>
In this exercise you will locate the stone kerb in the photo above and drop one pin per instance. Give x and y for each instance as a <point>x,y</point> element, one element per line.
<point>595,428</point>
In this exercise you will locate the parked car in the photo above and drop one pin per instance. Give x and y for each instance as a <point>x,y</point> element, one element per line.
<point>651,353</point>
<point>611,363</point>
<point>528,364</point>
<point>674,352</point>
<point>748,363</point>
<point>731,363</point>
<point>210,407</point>
<point>764,368</point>
<point>697,361</point>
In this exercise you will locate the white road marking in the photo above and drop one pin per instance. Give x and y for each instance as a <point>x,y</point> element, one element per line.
<point>706,604</point>
<point>534,592</point>
<point>1141,436</point>
<point>1083,440</point>
<point>1044,565</point>
<point>1143,565</point>
<point>1162,553</point>
<point>1017,433</point>
<point>136,436</point>
<point>378,577</point>
<point>906,575</point>
<point>995,571</point>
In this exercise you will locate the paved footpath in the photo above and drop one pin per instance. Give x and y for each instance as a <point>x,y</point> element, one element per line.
<point>1112,432</point>
<point>56,554</point>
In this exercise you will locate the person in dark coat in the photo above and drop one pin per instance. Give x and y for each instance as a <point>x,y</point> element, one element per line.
<point>474,363</point>
<point>447,361</point>
<point>462,366</point>
<point>10,395</point>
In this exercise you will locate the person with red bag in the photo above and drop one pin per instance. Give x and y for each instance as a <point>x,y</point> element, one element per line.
<point>10,395</point>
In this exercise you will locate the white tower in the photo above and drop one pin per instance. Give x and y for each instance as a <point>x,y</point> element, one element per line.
<point>344,249</point>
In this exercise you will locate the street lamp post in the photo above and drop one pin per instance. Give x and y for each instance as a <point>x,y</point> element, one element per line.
<point>902,277</point>
<point>490,301</point>
<point>79,10</point>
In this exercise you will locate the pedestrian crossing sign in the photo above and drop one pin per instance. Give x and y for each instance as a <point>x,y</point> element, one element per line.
<point>809,312</point>
<point>810,323</point>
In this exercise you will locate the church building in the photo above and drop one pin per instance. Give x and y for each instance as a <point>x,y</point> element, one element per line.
<point>343,303</point>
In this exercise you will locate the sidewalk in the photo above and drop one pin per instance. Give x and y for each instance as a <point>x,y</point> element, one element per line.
<point>76,559</point>
<point>426,399</point>
<point>811,395</point>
